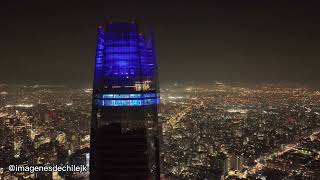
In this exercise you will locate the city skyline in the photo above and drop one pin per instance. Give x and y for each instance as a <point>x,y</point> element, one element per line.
<point>159,90</point>
<point>213,131</point>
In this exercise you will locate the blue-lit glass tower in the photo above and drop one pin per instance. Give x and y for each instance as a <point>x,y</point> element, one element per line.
<point>124,126</point>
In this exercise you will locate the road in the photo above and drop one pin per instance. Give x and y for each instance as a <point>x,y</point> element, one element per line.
<point>260,162</point>
<point>176,118</point>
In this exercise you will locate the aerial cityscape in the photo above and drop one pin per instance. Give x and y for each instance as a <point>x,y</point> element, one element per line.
<point>213,130</point>
<point>156,90</point>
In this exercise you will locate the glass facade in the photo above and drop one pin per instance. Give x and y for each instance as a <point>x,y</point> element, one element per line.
<point>124,126</point>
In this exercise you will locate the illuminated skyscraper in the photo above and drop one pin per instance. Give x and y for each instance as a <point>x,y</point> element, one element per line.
<point>124,126</point>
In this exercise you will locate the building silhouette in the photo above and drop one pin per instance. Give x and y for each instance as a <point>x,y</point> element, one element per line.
<point>124,126</point>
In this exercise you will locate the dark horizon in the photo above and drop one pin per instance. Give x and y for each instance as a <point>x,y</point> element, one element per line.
<point>54,42</point>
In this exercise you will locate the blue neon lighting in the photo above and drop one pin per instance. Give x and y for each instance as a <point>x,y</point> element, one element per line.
<point>122,42</point>
<point>125,62</point>
<point>128,49</point>
<point>137,102</point>
<point>128,96</point>
<point>123,55</point>
<point>127,99</point>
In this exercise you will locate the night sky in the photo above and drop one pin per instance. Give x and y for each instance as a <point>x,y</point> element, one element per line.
<point>53,42</point>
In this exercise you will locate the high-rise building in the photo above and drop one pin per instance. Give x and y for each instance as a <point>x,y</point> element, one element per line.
<point>80,157</point>
<point>124,126</point>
